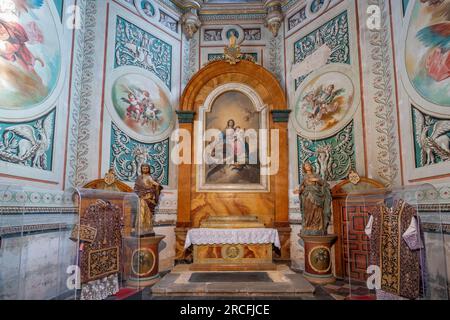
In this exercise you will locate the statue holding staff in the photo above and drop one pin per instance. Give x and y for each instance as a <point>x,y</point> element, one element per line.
<point>315,202</point>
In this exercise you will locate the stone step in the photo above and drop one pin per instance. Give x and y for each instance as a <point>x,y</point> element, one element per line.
<point>281,283</point>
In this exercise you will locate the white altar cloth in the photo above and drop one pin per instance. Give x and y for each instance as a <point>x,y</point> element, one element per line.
<point>203,236</point>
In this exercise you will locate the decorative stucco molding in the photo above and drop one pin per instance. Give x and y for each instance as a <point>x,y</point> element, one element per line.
<point>383,95</point>
<point>276,51</point>
<point>82,93</point>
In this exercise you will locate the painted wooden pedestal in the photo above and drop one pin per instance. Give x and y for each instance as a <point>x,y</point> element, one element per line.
<point>318,265</point>
<point>142,256</point>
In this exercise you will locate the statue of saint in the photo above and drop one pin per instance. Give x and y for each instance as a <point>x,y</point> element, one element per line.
<point>315,202</point>
<point>148,191</point>
<point>232,40</point>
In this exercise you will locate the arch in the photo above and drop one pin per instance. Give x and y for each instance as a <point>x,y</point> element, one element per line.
<point>345,187</point>
<point>217,73</point>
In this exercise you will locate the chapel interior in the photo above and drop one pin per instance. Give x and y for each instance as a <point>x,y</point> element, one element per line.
<point>162,149</point>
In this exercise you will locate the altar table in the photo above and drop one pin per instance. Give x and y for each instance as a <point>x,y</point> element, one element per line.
<point>232,249</point>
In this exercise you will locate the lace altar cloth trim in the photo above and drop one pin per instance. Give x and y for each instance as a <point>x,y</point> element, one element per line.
<point>232,236</point>
<point>100,289</point>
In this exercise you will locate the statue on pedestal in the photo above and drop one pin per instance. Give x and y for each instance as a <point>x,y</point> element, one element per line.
<point>315,201</point>
<point>315,198</point>
<point>148,191</point>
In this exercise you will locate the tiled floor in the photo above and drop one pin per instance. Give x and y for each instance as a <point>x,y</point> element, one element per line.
<point>342,290</point>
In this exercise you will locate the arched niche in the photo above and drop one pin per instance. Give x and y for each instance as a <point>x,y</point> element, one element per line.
<point>269,204</point>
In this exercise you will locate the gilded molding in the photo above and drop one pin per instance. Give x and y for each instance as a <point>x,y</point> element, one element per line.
<point>276,57</point>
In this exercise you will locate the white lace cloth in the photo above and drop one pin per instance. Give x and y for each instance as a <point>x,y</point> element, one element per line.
<point>100,289</point>
<point>232,236</point>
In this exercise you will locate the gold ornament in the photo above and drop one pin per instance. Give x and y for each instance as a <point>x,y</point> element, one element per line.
<point>110,177</point>
<point>232,252</point>
<point>354,177</point>
<point>232,52</point>
<point>320,259</point>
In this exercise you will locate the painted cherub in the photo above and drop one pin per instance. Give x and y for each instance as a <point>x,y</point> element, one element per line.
<point>150,115</point>
<point>134,108</point>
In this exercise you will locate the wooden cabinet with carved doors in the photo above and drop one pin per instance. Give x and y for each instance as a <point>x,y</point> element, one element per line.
<point>350,218</point>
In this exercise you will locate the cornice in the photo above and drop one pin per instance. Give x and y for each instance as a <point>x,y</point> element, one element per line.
<point>206,8</point>
<point>232,17</point>
<point>224,10</point>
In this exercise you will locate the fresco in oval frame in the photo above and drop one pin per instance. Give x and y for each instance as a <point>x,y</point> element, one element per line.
<point>423,83</point>
<point>337,113</point>
<point>36,60</point>
<point>155,17</point>
<point>127,113</point>
<point>310,13</point>
<point>226,30</point>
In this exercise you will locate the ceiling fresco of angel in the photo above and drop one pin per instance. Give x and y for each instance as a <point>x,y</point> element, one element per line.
<point>30,53</point>
<point>427,52</point>
<point>142,104</point>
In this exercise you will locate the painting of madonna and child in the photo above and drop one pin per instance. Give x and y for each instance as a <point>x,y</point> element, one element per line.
<point>232,155</point>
